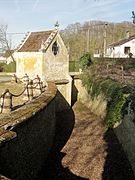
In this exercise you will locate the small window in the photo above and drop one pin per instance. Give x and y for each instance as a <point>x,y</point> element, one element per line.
<point>126,50</point>
<point>55,48</point>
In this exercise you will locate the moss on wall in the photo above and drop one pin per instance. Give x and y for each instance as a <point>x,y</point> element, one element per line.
<point>111,91</point>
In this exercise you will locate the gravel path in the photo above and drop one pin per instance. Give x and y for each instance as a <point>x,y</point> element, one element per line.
<point>89,153</point>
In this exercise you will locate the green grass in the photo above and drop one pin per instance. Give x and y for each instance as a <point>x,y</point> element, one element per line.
<point>73,66</point>
<point>8,67</point>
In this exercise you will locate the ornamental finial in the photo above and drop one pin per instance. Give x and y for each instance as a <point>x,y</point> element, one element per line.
<point>56,25</point>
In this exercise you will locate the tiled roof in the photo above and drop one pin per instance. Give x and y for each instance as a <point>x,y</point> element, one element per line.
<point>34,40</point>
<point>122,41</point>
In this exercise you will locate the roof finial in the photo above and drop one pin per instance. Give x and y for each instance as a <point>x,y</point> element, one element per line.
<point>56,25</point>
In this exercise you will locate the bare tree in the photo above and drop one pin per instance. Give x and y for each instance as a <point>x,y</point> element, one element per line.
<point>4,42</point>
<point>94,36</point>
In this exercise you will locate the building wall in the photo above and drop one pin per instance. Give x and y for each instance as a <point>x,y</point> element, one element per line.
<point>119,50</point>
<point>30,63</point>
<point>56,67</point>
<point>64,92</point>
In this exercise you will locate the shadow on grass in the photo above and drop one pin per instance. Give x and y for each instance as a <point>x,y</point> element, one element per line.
<point>117,166</point>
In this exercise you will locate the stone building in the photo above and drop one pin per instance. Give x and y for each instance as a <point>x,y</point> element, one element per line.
<point>44,54</point>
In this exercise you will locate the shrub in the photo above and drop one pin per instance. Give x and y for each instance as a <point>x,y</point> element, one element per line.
<point>9,67</point>
<point>85,61</point>
<point>1,67</point>
<point>73,66</point>
<point>112,91</point>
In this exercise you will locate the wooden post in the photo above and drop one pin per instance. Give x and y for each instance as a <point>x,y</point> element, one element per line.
<point>122,74</point>
<point>1,103</point>
<point>14,78</point>
<point>107,70</point>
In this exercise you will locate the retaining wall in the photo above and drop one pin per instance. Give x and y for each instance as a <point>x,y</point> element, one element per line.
<point>126,135</point>
<point>26,136</point>
<point>125,131</point>
<point>97,105</point>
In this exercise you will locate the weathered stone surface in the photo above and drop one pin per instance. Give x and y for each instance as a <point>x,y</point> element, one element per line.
<point>45,64</point>
<point>27,135</point>
<point>48,66</point>
<point>126,135</point>
<point>3,178</point>
<point>124,131</point>
<point>97,105</point>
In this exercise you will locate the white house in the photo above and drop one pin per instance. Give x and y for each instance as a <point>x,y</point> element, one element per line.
<point>122,48</point>
<point>3,59</point>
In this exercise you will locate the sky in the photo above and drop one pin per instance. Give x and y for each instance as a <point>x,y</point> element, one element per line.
<point>39,15</point>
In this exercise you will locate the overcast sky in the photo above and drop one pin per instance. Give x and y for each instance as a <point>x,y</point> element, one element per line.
<point>34,15</point>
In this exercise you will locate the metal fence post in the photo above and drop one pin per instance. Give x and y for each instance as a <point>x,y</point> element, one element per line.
<point>30,90</point>
<point>38,88</point>
<point>6,106</point>
<point>25,79</point>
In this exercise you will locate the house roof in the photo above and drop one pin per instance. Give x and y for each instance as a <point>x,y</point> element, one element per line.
<point>123,41</point>
<point>33,41</point>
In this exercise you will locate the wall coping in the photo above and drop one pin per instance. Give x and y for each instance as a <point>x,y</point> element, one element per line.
<point>61,81</point>
<point>22,114</point>
<point>4,178</point>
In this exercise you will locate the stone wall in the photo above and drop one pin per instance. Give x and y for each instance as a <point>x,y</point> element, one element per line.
<point>96,105</point>
<point>26,136</point>
<point>126,135</point>
<point>124,131</point>
<point>30,63</point>
<point>56,67</point>
<point>64,87</point>
<point>48,66</point>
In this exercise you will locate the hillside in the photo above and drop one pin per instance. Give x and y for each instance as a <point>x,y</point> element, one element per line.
<point>89,36</point>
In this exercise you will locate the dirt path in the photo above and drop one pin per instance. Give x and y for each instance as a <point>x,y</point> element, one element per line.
<point>89,153</point>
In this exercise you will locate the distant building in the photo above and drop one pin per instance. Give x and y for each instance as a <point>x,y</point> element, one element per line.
<point>6,57</point>
<point>122,49</point>
<point>3,59</point>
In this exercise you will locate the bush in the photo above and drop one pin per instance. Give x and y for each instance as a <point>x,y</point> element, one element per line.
<point>85,61</point>
<point>73,66</point>
<point>112,91</point>
<point>9,67</point>
<point>1,67</point>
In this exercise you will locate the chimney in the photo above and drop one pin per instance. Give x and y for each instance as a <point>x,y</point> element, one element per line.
<point>127,34</point>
